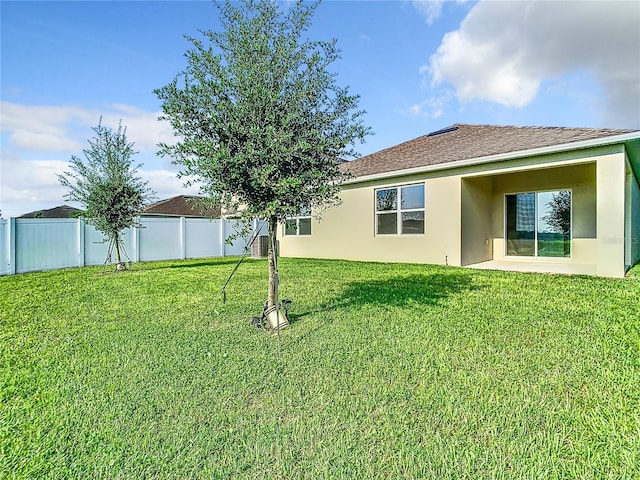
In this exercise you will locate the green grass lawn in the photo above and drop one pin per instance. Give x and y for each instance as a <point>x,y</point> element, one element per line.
<point>387,371</point>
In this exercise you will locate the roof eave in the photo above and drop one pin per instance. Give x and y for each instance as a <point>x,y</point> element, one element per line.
<point>500,157</point>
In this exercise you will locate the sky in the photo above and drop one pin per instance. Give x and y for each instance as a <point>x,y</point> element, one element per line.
<point>418,66</point>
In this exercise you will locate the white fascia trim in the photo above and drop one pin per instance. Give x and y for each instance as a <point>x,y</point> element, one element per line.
<point>500,157</point>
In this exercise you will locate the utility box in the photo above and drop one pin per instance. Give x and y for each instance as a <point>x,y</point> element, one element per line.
<point>260,247</point>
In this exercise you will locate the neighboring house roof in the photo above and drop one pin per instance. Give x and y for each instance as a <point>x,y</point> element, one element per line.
<point>465,142</point>
<point>62,211</point>
<point>182,205</point>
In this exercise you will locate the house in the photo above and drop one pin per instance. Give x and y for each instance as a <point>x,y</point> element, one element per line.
<point>564,200</point>
<point>182,206</point>
<point>61,211</point>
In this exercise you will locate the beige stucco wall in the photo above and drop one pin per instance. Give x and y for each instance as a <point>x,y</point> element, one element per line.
<point>348,231</point>
<point>464,214</point>
<point>477,223</point>
<point>610,177</point>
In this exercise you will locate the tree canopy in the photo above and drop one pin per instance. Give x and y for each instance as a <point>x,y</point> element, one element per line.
<point>106,185</point>
<point>261,122</point>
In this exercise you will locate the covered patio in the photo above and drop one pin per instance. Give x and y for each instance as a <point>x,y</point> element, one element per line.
<point>505,216</point>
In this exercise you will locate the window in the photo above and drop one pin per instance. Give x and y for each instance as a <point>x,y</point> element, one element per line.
<point>538,224</point>
<point>298,225</point>
<point>400,210</point>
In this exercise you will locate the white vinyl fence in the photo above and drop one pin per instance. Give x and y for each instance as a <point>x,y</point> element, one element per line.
<point>28,245</point>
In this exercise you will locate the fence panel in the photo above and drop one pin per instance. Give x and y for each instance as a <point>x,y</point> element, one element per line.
<point>237,247</point>
<point>46,244</point>
<point>160,239</point>
<point>96,249</point>
<point>202,238</point>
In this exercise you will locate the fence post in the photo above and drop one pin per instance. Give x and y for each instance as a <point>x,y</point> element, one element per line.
<point>135,240</point>
<point>11,240</point>
<point>222,222</point>
<point>183,242</point>
<point>81,259</point>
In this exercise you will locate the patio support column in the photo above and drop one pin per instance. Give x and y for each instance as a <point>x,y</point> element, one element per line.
<point>610,188</point>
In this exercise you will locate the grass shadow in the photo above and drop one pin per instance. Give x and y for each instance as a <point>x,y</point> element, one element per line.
<point>213,262</point>
<point>296,317</point>
<point>397,291</point>
<point>404,290</point>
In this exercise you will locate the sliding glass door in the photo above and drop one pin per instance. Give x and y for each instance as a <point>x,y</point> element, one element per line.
<point>521,224</point>
<point>538,224</point>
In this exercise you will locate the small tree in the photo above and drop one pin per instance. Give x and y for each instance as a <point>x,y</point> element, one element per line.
<point>106,185</point>
<point>261,121</point>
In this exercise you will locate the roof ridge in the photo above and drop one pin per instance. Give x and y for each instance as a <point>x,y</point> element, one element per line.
<point>542,127</point>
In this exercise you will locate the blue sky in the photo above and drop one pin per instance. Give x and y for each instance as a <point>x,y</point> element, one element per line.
<point>418,67</point>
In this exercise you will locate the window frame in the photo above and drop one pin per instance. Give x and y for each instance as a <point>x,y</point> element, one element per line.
<point>398,211</point>
<point>297,219</point>
<point>536,255</point>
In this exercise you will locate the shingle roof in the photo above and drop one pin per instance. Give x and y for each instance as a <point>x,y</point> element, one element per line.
<point>463,142</point>
<point>62,211</point>
<point>183,205</point>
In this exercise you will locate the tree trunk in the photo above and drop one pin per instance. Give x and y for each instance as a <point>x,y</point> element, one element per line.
<point>120,265</point>
<point>272,294</point>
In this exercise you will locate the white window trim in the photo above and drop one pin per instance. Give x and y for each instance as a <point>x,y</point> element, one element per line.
<point>297,218</point>
<point>398,211</point>
<point>537,257</point>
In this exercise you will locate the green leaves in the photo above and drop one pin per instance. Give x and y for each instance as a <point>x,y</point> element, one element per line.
<point>105,183</point>
<point>261,119</point>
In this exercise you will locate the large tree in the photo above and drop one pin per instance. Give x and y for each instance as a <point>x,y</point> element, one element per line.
<point>107,186</point>
<point>261,121</point>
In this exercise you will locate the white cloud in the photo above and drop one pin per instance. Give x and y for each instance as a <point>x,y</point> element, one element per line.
<point>143,127</point>
<point>166,183</point>
<point>430,9</point>
<point>46,128</point>
<point>39,140</point>
<point>40,128</point>
<point>43,142</point>
<point>431,108</point>
<point>503,51</point>
<point>29,185</point>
